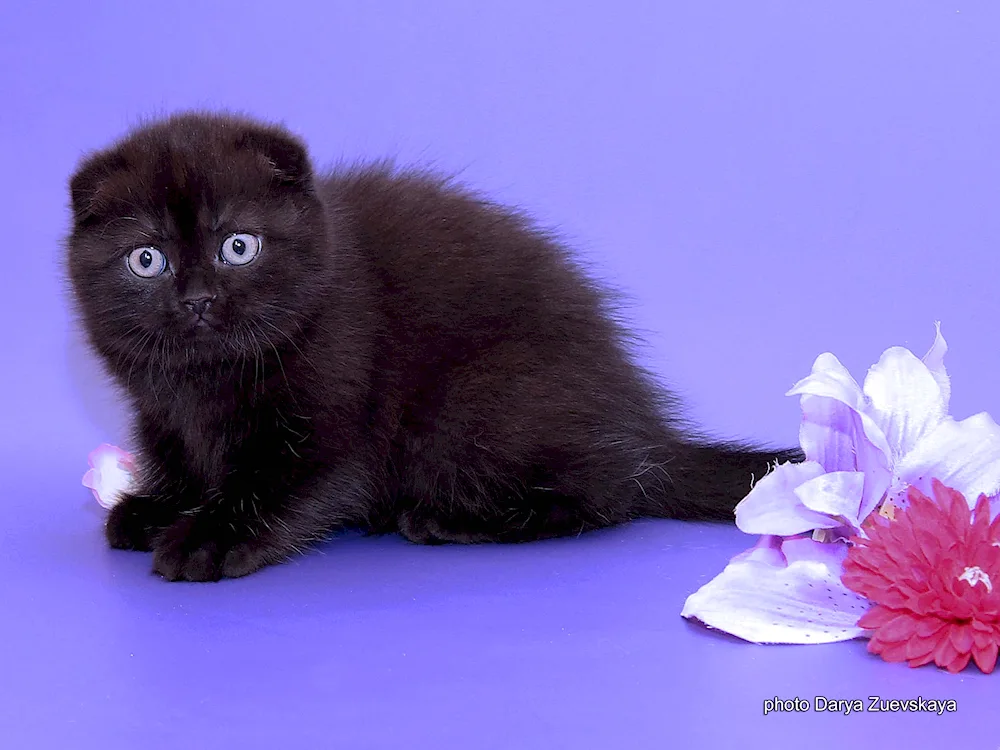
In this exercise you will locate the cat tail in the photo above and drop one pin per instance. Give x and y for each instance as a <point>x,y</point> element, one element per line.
<point>707,480</point>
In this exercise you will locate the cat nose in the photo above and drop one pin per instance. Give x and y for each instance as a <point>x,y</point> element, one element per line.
<point>198,305</point>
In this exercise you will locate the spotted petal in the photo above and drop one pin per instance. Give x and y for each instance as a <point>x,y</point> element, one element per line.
<point>803,602</point>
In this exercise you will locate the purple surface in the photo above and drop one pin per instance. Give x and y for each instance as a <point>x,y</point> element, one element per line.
<point>767,181</point>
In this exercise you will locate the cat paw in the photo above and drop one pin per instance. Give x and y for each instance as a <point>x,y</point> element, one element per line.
<point>133,523</point>
<point>426,529</point>
<point>196,548</point>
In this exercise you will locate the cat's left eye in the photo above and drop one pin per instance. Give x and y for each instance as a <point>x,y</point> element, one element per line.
<point>239,249</point>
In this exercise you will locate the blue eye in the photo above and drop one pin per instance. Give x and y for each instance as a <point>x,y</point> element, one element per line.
<point>147,262</point>
<point>239,249</point>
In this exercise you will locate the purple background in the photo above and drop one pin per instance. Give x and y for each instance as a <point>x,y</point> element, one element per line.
<point>766,180</point>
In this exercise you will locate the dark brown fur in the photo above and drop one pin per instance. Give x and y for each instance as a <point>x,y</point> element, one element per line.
<point>403,355</point>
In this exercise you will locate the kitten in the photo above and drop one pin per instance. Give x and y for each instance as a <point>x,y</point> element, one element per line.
<point>370,348</point>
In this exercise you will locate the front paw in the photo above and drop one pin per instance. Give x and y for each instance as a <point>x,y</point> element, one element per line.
<point>135,521</point>
<point>202,548</point>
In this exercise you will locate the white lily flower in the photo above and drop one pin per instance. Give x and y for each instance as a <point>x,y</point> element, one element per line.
<point>863,446</point>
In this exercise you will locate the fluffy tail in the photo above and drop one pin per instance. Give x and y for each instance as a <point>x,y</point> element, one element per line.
<point>708,480</point>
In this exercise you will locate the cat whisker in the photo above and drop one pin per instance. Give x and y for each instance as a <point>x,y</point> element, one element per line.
<point>277,356</point>
<point>291,341</point>
<point>307,320</point>
<point>134,355</point>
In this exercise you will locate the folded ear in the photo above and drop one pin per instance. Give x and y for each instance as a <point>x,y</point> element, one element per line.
<point>85,184</point>
<point>287,155</point>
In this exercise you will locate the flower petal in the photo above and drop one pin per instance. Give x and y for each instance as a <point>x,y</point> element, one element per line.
<point>876,617</point>
<point>959,663</point>
<point>899,629</point>
<point>905,399</point>
<point>986,658</point>
<point>961,638</point>
<point>767,550</point>
<point>830,379</point>
<point>829,432</point>
<point>837,430</point>
<point>890,651</point>
<point>802,603</point>
<point>837,494</point>
<point>110,475</point>
<point>923,660</point>
<point>90,479</point>
<point>962,455</point>
<point>934,359</point>
<point>920,648</point>
<point>945,653</point>
<point>772,507</point>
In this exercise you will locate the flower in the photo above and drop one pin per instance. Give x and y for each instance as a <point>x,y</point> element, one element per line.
<point>930,574</point>
<point>866,445</point>
<point>110,474</point>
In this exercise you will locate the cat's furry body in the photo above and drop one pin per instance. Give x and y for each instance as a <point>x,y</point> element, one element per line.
<point>401,355</point>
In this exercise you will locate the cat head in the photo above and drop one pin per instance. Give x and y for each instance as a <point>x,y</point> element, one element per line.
<point>196,238</point>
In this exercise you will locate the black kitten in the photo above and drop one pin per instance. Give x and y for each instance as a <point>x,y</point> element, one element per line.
<point>369,348</point>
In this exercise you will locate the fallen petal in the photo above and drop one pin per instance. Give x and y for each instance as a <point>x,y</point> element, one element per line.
<point>804,602</point>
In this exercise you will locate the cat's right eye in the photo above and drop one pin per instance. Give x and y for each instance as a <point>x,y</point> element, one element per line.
<point>147,262</point>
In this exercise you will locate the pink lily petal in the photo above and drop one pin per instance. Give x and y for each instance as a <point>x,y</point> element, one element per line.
<point>110,475</point>
<point>962,455</point>
<point>829,432</point>
<point>830,381</point>
<point>773,507</point>
<point>804,602</point>
<point>833,434</point>
<point>906,400</point>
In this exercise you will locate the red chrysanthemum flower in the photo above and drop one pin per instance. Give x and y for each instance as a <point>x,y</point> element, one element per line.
<point>933,574</point>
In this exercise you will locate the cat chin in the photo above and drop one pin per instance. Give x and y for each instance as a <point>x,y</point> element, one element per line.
<point>203,331</point>
<point>208,347</point>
